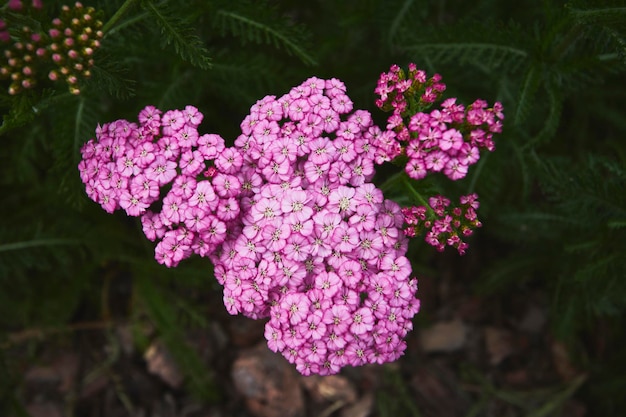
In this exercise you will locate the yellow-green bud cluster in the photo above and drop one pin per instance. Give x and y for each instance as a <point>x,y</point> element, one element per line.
<point>62,53</point>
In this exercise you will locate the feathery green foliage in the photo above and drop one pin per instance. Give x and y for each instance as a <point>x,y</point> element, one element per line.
<point>179,33</point>
<point>259,24</point>
<point>552,196</point>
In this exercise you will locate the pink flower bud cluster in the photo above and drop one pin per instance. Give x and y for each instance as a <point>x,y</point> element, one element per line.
<point>64,52</point>
<point>18,5</point>
<point>129,165</point>
<point>444,226</point>
<point>447,139</point>
<point>320,250</point>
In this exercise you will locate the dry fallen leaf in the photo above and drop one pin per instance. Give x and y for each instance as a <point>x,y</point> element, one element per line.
<point>499,344</point>
<point>444,337</point>
<point>269,384</point>
<point>161,364</point>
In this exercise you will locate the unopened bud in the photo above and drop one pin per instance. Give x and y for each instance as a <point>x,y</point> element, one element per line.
<point>75,91</point>
<point>53,75</point>
<point>27,84</point>
<point>88,51</point>
<point>54,33</point>
<point>57,22</point>
<point>57,58</point>
<point>75,22</point>
<point>72,54</point>
<point>27,71</point>
<point>68,41</point>
<point>40,52</point>
<point>72,79</point>
<point>64,70</point>
<point>68,32</point>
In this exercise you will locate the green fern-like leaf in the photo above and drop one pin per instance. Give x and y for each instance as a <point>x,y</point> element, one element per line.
<point>260,23</point>
<point>527,94</point>
<point>110,76</point>
<point>492,48</point>
<point>178,32</point>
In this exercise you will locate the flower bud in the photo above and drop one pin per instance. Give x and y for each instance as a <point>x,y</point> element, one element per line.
<point>53,75</point>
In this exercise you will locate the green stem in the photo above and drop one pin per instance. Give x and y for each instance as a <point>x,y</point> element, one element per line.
<point>416,194</point>
<point>34,243</point>
<point>400,177</point>
<point>118,15</point>
<point>570,37</point>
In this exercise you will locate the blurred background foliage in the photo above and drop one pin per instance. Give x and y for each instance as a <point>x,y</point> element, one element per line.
<point>553,200</point>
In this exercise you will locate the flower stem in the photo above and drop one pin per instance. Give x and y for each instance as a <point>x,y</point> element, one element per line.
<point>118,15</point>
<point>417,195</point>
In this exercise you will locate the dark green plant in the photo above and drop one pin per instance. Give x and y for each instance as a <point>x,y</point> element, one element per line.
<point>552,196</point>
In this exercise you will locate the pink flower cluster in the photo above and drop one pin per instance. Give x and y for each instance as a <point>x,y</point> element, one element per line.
<point>129,165</point>
<point>447,139</point>
<point>289,217</point>
<point>320,250</point>
<point>443,225</point>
